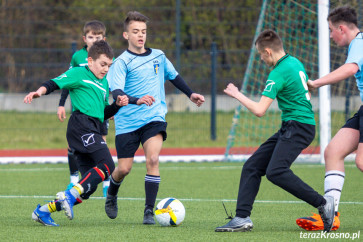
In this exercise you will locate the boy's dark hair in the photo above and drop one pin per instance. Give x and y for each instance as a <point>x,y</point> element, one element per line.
<point>95,27</point>
<point>269,39</point>
<point>100,47</point>
<point>343,14</point>
<point>134,16</point>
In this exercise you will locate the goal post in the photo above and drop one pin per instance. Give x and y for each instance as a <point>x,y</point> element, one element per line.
<point>324,69</point>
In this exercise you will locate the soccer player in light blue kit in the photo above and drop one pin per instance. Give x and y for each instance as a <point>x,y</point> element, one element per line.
<point>344,31</point>
<point>141,71</point>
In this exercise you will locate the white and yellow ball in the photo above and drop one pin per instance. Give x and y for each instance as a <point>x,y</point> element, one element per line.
<point>170,212</point>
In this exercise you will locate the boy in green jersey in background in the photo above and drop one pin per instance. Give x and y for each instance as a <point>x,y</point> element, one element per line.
<point>92,31</point>
<point>287,83</point>
<point>89,93</point>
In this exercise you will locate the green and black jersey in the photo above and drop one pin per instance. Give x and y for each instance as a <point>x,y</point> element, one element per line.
<point>89,94</point>
<point>79,58</point>
<point>287,83</point>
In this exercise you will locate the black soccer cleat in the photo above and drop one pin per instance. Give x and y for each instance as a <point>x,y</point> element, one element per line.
<point>148,217</point>
<point>111,206</point>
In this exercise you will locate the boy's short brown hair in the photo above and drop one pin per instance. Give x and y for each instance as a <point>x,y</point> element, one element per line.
<point>134,16</point>
<point>269,39</point>
<point>95,27</point>
<point>99,48</point>
<point>343,14</point>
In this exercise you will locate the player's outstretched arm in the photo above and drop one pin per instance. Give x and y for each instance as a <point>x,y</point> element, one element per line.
<point>345,71</point>
<point>29,98</point>
<point>197,99</point>
<point>257,108</point>
<point>147,100</point>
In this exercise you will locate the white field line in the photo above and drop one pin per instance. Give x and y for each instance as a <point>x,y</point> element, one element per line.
<point>181,199</point>
<point>179,167</point>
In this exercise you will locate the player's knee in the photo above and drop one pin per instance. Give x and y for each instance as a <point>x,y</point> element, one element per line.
<point>274,176</point>
<point>123,171</point>
<point>107,168</point>
<point>328,153</point>
<point>359,165</point>
<point>153,161</point>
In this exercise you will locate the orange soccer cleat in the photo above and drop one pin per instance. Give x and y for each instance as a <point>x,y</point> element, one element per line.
<point>315,222</point>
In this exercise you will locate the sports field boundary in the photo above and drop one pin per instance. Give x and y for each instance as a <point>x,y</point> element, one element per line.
<point>199,154</point>
<point>181,199</point>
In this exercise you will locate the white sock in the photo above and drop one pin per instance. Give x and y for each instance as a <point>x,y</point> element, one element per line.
<point>106,183</point>
<point>333,185</point>
<point>74,179</point>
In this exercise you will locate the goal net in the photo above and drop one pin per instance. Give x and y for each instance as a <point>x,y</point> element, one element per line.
<point>297,24</point>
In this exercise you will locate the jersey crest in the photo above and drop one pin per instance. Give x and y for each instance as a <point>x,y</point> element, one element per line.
<point>269,85</point>
<point>156,66</point>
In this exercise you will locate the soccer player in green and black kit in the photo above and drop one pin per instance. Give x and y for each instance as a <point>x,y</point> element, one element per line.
<point>89,93</point>
<point>287,83</point>
<point>92,31</point>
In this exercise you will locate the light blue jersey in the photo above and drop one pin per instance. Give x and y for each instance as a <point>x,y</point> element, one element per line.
<point>355,55</point>
<point>140,75</point>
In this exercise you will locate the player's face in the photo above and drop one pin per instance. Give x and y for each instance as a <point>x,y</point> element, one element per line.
<point>90,38</point>
<point>336,33</point>
<point>265,55</point>
<point>136,36</point>
<point>99,66</point>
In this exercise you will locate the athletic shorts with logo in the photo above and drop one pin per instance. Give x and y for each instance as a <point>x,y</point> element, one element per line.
<point>84,133</point>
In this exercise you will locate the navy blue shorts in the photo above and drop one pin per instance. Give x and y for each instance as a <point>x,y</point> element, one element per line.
<point>356,122</point>
<point>128,143</point>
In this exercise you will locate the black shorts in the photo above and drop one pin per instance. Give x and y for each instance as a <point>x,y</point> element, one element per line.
<point>84,133</point>
<point>128,143</point>
<point>104,127</point>
<point>85,162</point>
<point>356,122</point>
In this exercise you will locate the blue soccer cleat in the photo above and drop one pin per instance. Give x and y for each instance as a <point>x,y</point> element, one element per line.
<point>67,201</point>
<point>43,217</point>
<point>105,191</point>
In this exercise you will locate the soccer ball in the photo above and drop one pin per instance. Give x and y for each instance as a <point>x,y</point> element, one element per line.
<point>170,212</point>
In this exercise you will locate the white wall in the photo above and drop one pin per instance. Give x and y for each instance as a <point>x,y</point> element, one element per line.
<point>176,102</point>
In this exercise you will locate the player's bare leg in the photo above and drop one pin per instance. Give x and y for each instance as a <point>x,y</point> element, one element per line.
<point>344,143</point>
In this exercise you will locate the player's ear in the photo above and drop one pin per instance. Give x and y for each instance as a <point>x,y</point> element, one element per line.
<point>84,38</point>
<point>268,51</point>
<point>90,61</point>
<point>125,35</point>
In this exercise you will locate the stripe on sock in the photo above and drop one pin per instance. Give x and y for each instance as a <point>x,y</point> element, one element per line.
<point>100,173</point>
<point>79,188</point>
<point>334,174</point>
<point>333,189</point>
<point>51,206</point>
<point>114,182</point>
<point>153,179</point>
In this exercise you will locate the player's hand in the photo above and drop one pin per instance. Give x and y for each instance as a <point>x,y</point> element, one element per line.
<point>197,99</point>
<point>29,98</point>
<point>122,100</point>
<point>61,113</point>
<point>311,85</point>
<point>231,90</point>
<point>147,100</point>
